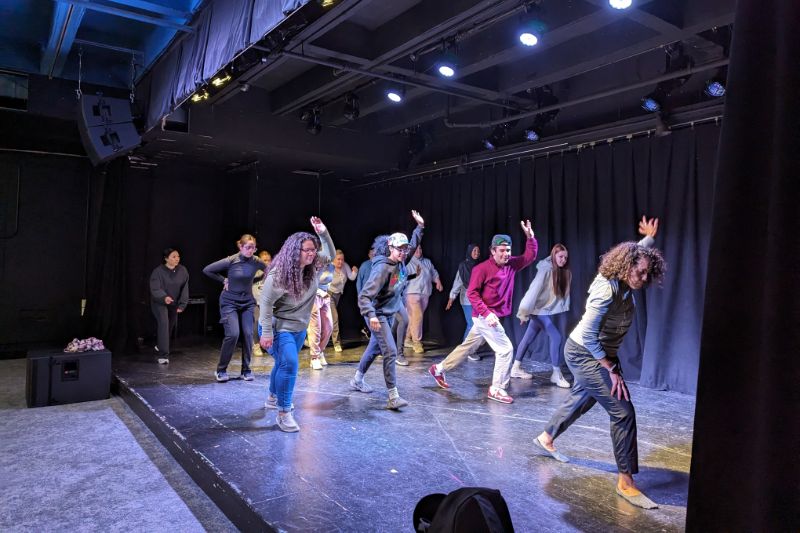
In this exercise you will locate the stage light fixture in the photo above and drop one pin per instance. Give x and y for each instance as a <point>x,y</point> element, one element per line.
<point>352,107</point>
<point>221,79</point>
<point>497,136</point>
<point>532,135</point>
<point>446,70</point>
<point>395,94</point>
<point>312,119</point>
<point>528,39</point>
<point>715,87</point>
<point>620,4</point>
<point>447,63</point>
<point>200,95</point>
<point>651,103</point>
<point>677,60</point>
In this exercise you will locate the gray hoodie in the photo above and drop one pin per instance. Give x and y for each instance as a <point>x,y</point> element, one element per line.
<point>540,299</point>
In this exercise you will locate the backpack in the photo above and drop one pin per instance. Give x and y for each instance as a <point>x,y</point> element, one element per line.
<point>465,510</point>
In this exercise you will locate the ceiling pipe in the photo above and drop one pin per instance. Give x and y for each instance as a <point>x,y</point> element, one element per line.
<point>592,97</point>
<point>401,81</point>
<point>156,21</point>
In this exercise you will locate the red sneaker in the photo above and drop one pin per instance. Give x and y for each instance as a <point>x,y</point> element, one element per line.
<point>499,395</point>
<point>439,377</point>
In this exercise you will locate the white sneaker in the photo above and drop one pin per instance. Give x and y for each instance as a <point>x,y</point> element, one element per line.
<point>520,373</point>
<point>163,361</point>
<point>322,360</point>
<point>337,348</point>
<point>286,422</point>
<point>272,403</point>
<point>557,379</point>
<point>316,364</point>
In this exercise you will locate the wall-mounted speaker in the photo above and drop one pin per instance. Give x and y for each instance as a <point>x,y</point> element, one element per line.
<point>106,127</point>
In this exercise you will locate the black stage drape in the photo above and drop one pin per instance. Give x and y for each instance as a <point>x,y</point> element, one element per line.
<point>589,200</point>
<point>746,456</point>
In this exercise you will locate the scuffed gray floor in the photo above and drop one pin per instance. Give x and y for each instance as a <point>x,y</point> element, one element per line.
<point>90,466</point>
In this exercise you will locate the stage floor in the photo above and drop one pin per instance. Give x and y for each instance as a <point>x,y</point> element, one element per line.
<point>356,466</point>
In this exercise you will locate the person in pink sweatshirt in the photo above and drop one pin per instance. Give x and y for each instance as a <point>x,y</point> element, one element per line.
<point>491,287</point>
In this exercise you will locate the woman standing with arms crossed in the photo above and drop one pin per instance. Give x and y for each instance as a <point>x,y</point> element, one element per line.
<point>169,295</point>
<point>548,295</point>
<point>286,301</point>
<point>236,303</point>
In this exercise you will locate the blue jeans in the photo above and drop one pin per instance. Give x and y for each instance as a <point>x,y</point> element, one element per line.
<point>285,347</point>
<point>536,324</point>
<point>468,315</point>
<point>592,385</point>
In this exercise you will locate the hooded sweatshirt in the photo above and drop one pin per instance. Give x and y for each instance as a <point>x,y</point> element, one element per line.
<point>382,294</point>
<point>540,299</point>
<point>491,286</point>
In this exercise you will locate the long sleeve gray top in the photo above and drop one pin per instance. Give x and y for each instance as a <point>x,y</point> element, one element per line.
<point>540,298</point>
<point>285,312</point>
<point>608,315</point>
<point>426,276</point>
<point>340,277</point>
<point>165,281</point>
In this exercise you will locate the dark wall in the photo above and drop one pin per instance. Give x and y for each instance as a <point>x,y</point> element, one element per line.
<point>42,247</point>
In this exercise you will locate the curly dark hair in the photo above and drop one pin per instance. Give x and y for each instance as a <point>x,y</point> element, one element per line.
<point>286,265</point>
<point>617,262</point>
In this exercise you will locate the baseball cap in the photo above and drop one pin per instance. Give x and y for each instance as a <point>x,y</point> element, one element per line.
<point>500,240</point>
<point>398,239</point>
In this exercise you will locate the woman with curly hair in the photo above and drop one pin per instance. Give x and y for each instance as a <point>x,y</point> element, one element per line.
<point>379,300</point>
<point>236,302</point>
<point>548,295</point>
<point>591,355</point>
<point>286,300</point>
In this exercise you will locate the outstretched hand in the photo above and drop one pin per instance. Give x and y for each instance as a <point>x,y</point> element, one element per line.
<point>526,227</point>
<point>648,227</point>
<point>319,227</point>
<point>420,221</point>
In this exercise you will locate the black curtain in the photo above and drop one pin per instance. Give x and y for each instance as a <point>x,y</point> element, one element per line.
<point>589,200</point>
<point>745,472</point>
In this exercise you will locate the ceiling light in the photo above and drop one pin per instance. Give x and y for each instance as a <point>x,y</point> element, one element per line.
<point>221,79</point>
<point>446,70</point>
<point>395,95</point>
<point>200,95</point>
<point>715,87</point>
<point>528,39</point>
<point>620,4</point>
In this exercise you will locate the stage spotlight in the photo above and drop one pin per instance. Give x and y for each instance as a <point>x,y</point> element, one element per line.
<point>221,79</point>
<point>651,103</point>
<point>620,4</point>
<point>312,120</point>
<point>495,138</point>
<point>200,95</point>
<point>715,87</point>
<point>532,135</point>
<point>446,70</point>
<point>395,94</point>
<point>351,106</point>
<point>528,39</point>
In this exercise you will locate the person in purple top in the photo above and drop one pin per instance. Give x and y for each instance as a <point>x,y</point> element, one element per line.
<point>491,287</point>
<point>236,303</point>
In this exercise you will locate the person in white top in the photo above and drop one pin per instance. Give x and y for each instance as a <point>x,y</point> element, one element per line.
<point>548,295</point>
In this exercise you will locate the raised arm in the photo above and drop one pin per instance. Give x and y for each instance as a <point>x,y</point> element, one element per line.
<point>519,262</point>
<point>416,236</point>
<point>648,228</point>
<point>328,251</point>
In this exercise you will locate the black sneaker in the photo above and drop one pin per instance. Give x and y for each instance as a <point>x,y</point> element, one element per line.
<point>248,376</point>
<point>401,360</point>
<point>222,377</point>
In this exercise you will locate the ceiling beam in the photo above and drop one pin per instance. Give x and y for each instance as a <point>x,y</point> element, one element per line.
<point>66,21</point>
<point>125,13</point>
<point>155,8</point>
<point>440,18</point>
<point>521,83</point>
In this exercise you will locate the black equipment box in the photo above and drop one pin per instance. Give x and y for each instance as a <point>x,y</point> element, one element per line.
<point>55,377</point>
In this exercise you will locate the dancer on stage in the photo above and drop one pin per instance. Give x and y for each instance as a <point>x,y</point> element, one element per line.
<point>418,293</point>
<point>547,295</point>
<point>169,295</point>
<point>379,300</point>
<point>591,354</point>
<point>491,289</point>
<point>286,302</point>
<point>342,272</point>
<point>320,323</point>
<point>258,284</point>
<point>236,302</point>
<point>459,290</point>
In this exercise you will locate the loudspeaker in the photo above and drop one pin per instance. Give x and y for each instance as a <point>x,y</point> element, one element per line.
<point>106,127</point>
<point>55,377</point>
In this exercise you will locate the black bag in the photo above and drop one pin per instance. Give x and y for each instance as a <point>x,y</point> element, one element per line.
<point>465,510</point>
